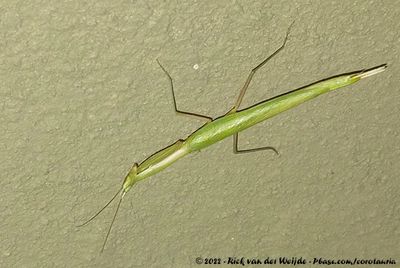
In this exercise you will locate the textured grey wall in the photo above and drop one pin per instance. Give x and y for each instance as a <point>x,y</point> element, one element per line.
<point>82,98</point>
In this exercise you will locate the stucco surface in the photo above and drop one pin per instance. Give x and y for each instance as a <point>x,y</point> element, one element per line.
<point>82,98</point>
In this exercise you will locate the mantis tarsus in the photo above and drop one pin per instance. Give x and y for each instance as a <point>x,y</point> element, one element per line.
<point>230,124</point>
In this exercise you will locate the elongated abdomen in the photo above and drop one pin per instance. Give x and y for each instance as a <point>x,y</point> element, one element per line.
<point>229,124</point>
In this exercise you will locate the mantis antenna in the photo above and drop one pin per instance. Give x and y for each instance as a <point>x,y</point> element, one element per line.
<point>100,211</point>
<point>122,192</point>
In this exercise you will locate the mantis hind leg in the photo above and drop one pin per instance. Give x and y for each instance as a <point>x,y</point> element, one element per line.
<point>255,69</point>
<point>204,117</point>
<point>243,91</point>
<point>236,150</point>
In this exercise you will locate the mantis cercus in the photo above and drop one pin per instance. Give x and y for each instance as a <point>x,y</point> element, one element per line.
<point>230,124</point>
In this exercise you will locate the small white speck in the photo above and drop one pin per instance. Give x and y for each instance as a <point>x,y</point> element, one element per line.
<point>196,66</point>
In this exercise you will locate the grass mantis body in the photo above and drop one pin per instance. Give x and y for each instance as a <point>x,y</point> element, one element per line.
<point>230,124</point>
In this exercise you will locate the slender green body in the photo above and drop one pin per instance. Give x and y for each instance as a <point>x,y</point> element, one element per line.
<point>234,122</point>
<point>229,124</point>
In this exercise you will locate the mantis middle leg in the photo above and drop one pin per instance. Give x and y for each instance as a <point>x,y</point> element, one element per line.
<point>209,119</point>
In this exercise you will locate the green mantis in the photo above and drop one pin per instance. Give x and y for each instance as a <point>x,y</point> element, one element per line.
<point>230,124</point>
